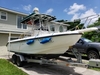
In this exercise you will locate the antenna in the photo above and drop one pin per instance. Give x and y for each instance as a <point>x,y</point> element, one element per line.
<point>36,10</point>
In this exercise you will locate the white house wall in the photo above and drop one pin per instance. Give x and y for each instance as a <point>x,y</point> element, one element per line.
<point>12,28</point>
<point>10,25</point>
<point>11,19</point>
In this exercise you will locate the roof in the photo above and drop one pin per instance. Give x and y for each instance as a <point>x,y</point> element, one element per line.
<point>12,11</point>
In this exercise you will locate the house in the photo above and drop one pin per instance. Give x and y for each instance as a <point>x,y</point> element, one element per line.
<point>10,24</point>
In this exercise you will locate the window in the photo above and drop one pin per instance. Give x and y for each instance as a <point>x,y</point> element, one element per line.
<point>24,26</point>
<point>80,41</point>
<point>52,28</point>
<point>3,15</point>
<point>19,24</point>
<point>87,40</point>
<point>61,28</point>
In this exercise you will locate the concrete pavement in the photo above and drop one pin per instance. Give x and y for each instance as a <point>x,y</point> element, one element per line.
<point>4,53</point>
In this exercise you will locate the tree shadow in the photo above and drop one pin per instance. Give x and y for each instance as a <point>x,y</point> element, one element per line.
<point>50,69</point>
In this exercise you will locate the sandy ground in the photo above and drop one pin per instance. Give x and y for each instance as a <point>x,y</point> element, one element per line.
<point>37,69</point>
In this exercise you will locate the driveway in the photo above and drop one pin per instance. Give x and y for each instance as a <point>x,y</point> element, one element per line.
<point>37,69</point>
<point>4,53</point>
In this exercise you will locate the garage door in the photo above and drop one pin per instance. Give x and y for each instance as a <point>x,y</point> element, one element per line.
<point>3,39</point>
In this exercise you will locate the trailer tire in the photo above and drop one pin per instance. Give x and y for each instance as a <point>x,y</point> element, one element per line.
<point>19,62</point>
<point>14,57</point>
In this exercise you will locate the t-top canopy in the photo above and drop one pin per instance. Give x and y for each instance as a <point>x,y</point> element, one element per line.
<point>34,17</point>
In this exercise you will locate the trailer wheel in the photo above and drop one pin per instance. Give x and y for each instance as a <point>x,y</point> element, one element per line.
<point>19,62</point>
<point>14,57</point>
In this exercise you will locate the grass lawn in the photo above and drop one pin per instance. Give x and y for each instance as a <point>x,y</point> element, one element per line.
<point>96,69</point>
<point>6,68</point>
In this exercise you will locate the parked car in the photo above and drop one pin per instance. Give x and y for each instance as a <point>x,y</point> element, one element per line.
<point>86,46</point>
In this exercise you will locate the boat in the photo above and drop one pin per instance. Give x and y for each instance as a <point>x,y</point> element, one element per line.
<point>47,39</point>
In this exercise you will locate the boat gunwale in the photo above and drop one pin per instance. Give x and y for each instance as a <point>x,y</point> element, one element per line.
<point>39,37</point>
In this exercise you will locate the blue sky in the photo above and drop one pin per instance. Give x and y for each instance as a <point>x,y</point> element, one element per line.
<point>62,9</point>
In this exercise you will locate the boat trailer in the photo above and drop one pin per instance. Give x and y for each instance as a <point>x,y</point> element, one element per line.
<point>20,60</point>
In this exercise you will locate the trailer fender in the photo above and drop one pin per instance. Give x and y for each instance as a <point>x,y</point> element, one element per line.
<point>21,57</point>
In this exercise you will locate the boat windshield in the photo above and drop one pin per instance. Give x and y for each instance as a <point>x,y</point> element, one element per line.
<point>87,40</point>
<point>40,25</point>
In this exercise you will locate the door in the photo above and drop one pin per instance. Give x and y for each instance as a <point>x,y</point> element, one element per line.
<point>81,46</point>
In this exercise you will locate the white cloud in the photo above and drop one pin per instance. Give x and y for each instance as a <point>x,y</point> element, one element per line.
<point>85,14</point>
<point>76,16</point>
<point>93,16</point>
<point>95,7</point>
<point>27,7</point>
<point>88,13</point>
<point>75,8</point>
<point>49,11</point>
<point>65,10</point>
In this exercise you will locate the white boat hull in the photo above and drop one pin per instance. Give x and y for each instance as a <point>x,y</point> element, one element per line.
<point>57,45</point>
